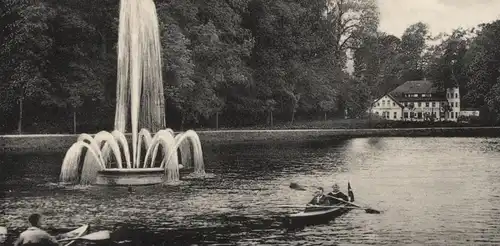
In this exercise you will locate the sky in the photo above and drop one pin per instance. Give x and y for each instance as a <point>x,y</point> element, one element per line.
<point>440,15</point>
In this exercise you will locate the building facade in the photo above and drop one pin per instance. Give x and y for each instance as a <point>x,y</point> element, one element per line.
<point>419,101</point>
<point>468,112</point>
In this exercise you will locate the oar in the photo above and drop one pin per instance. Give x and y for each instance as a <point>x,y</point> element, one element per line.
<point>367,210</point>
<point>96,236</point>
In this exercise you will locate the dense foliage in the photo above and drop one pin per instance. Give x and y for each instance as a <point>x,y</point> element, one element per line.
<point>234,62</point>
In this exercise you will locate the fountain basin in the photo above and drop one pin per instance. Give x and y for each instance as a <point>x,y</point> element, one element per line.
<point>131,176</point>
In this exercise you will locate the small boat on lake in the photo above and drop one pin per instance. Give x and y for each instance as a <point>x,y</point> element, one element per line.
<point>314,215</point>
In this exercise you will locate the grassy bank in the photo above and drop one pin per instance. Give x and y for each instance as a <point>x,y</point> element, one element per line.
<point>60,143</point>
<point>364,123</point>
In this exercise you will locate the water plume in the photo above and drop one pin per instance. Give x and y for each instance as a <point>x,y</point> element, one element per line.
<point>110,145</point>
<point>69,170</point>
<point>140,98</point>
<point>139,70</point>
<point>194,140</point>
<point>163,139</point>
<point>186,154</point>
<point>122,140</point>
<point>84,137</point>
<point>144,136</point>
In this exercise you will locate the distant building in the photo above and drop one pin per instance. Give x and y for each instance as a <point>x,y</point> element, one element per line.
<point>418,101</point>
<point>467,112</point>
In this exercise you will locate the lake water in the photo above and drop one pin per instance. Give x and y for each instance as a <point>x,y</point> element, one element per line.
<point>433,191</point>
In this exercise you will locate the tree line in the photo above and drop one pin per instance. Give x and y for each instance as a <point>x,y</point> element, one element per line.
<point>229,62</point>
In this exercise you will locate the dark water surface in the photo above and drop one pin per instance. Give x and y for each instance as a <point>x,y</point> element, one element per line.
<point>434,191</point>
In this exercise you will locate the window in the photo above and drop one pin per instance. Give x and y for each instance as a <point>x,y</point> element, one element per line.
<point>419,104</point>
<point>394,104</point>
<point>456,115</point>
<point>433,104</point>
<point>434,115</point>
<point>395,115</point>
<point>376,113</point>
<point>378,104</point>
<point>456,95</point>
<point>427,104</point>
<point>412,115</point>
<point>419,115</point>
<point>405,114</point>
<point>451,115</point>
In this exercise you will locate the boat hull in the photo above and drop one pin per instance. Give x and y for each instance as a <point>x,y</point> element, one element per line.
<point>78,232</point>
<point>323,216</point>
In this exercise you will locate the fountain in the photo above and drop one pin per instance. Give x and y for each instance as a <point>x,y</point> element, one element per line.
<point>106,156</point>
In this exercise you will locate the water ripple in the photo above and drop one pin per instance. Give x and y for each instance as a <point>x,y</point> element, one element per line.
<point>433,191</point>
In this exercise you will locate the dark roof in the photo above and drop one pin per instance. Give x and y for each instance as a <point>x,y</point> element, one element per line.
<point>418,87</point>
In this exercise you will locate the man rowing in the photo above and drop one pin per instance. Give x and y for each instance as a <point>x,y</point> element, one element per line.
<point>335,195</point>
<point>319,197</point>
<point>34,235</point>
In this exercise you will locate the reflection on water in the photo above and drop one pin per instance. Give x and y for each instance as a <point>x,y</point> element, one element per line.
<point>433,191</point>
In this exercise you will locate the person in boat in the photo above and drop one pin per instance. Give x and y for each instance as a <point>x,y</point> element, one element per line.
<point>34,235</point>
<point>335,195</point>
<point>3,235</point>
<point>319,197</point>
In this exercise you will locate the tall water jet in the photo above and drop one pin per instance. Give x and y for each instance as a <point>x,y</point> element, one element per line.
<point>139,70</point>
<point>140,91</point>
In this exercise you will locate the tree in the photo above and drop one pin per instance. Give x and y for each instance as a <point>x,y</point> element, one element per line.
<point>351,19</point>
<point>179,70</point>
<point>483,59</point>
<point>447,67</point>
<point>26,47</point>
<point>377,61</point>
<point>327,106</point>
<point>413,44</point>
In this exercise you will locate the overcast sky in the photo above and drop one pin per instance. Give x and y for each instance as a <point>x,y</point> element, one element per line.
<point>440,15</point>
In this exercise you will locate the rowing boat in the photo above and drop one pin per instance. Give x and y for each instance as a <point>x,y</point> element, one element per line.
<point>316,215</point>
<point>78,232</point>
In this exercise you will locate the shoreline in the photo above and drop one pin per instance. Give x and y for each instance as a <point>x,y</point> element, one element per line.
<point>61,142</point>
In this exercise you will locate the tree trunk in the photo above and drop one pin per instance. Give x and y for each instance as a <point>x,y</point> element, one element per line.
<point>20,121</point>
<point>293,116</point>
<point>182,121</point>
<point>271,118</point>
<point>370,115</point>
<point>325,115</point>
<point>74,121</point>
<point>282,104</point>
<point>103,45</point>
<point>217,121</point>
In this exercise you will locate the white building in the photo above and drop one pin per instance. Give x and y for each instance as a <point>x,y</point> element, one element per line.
<point>418,101</point>
<point>467,112</point>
